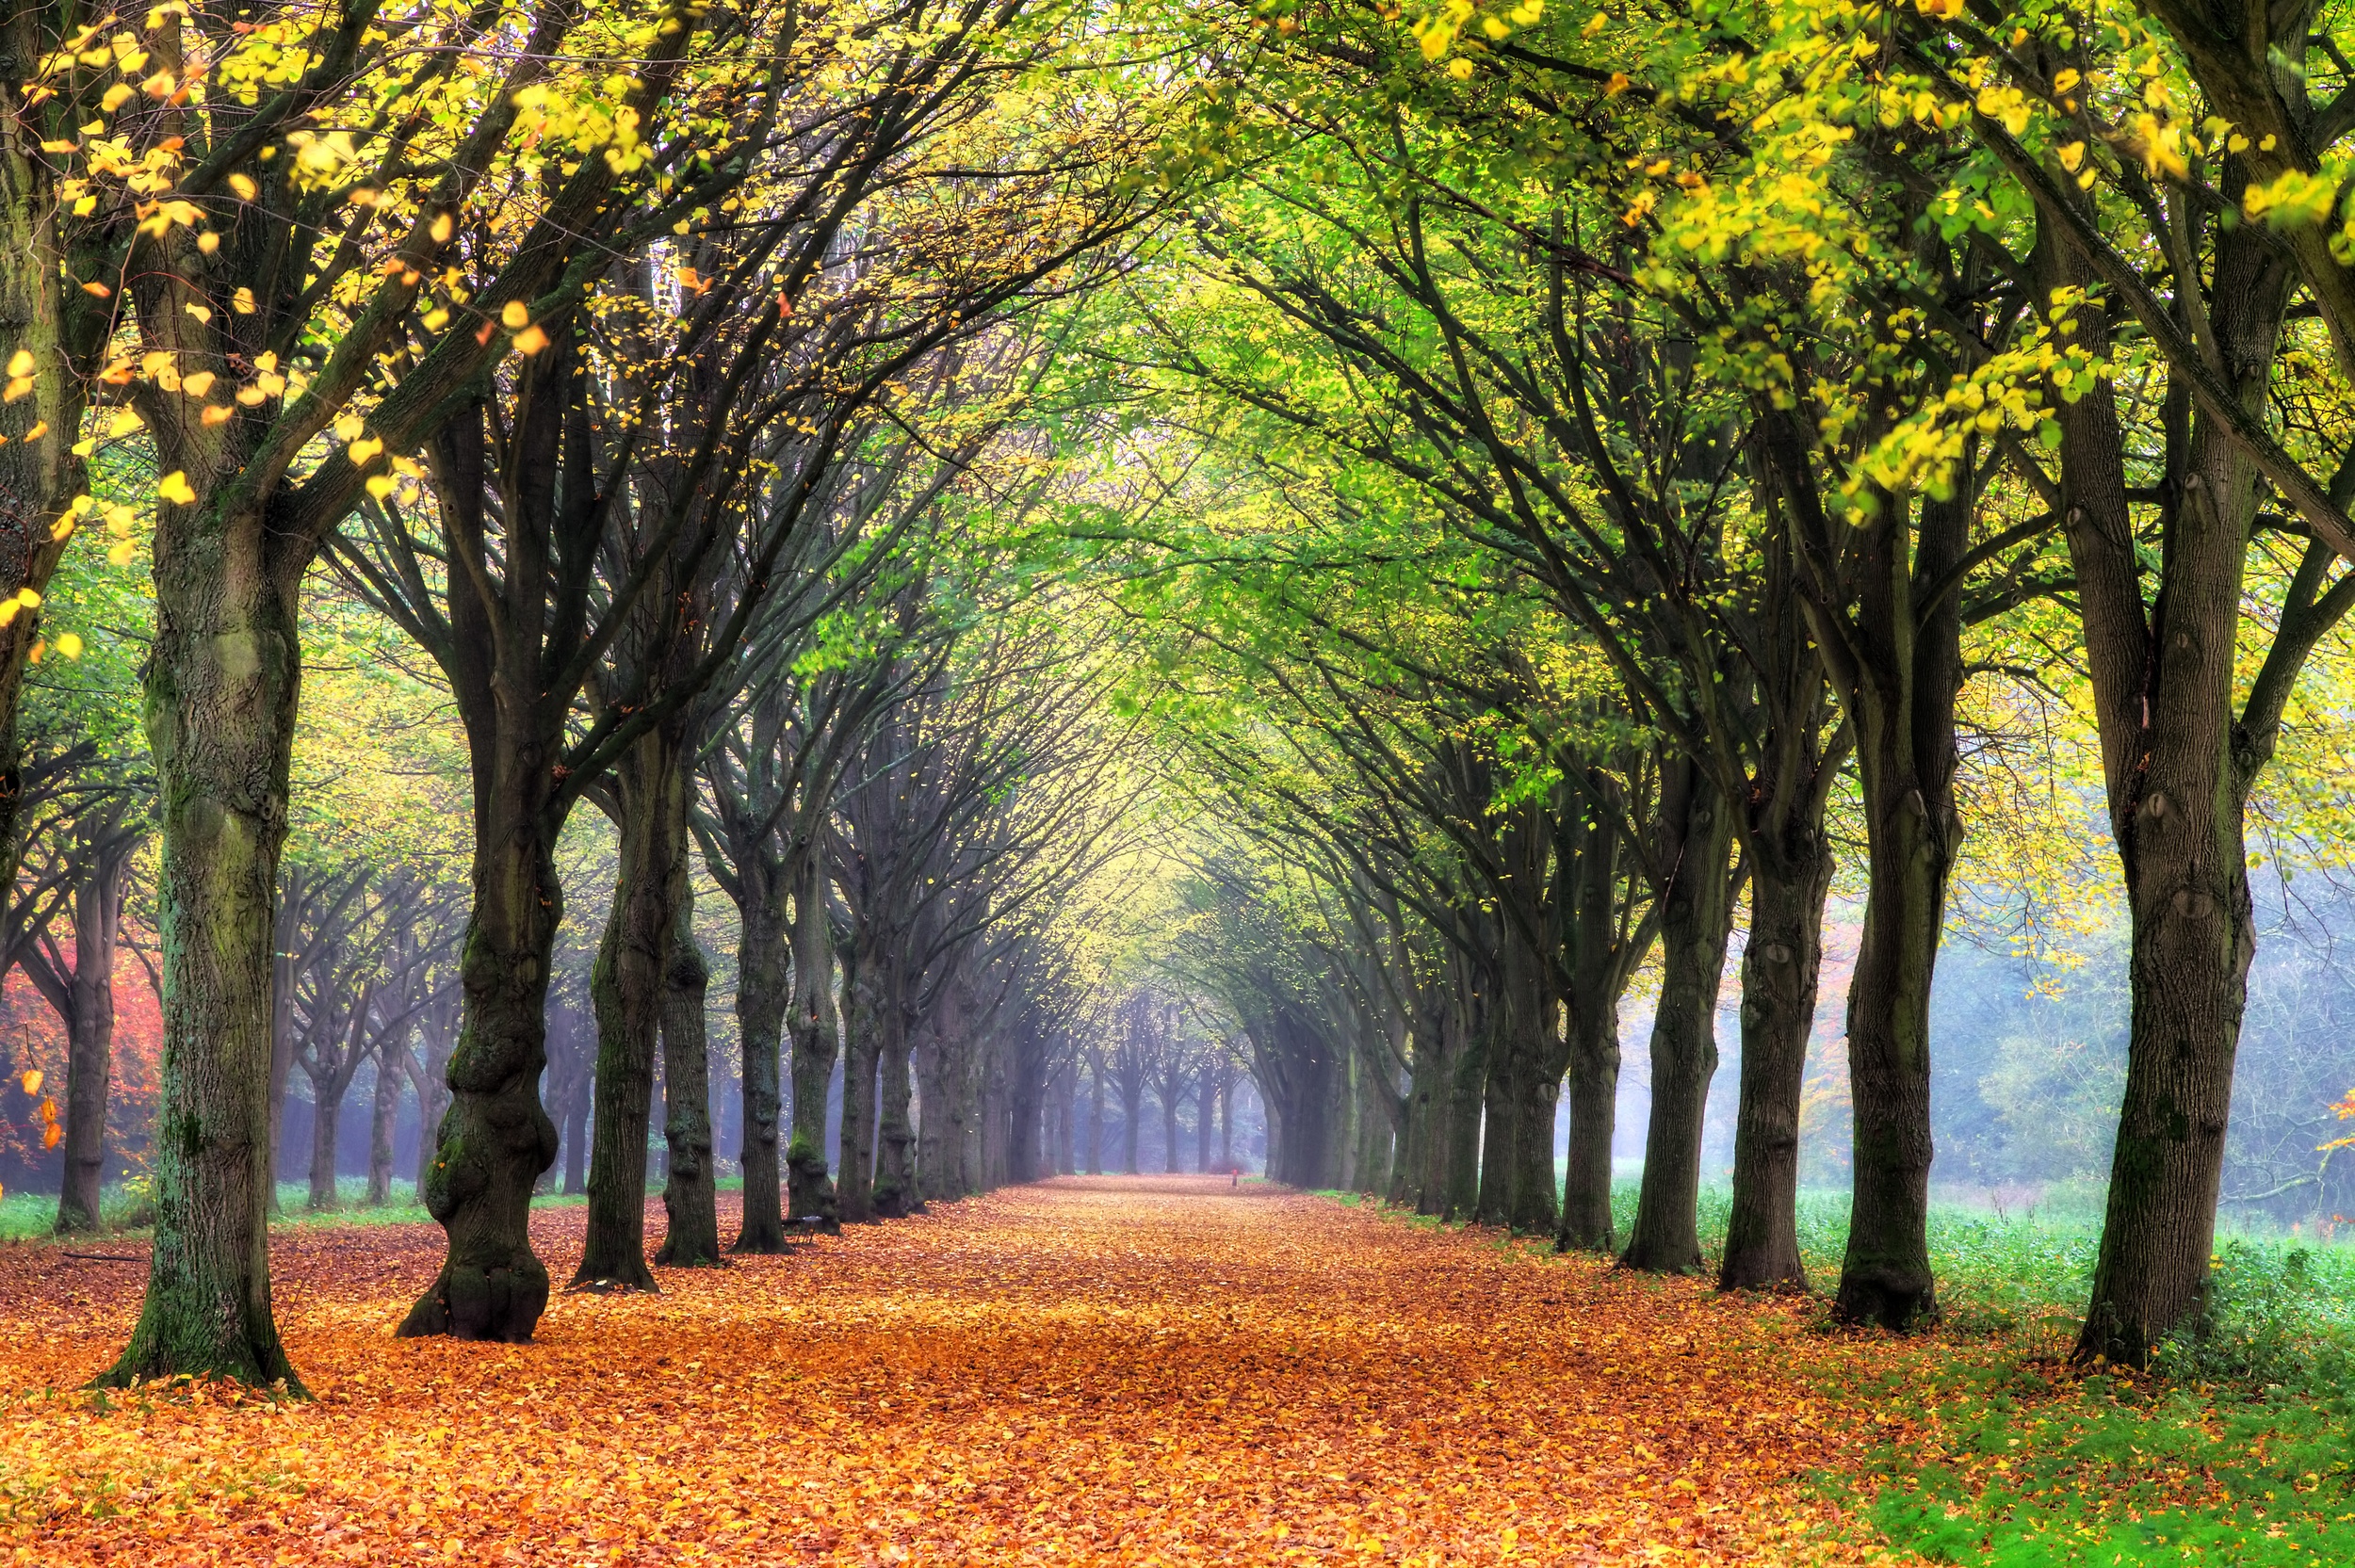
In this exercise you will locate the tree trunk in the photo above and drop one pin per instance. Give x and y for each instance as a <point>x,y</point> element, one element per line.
<point>816,1044</point>
<point>495,1139</point>
<point>1226,1124</point>
<point>1171,1162</point>
<point>1376,1106</point>
<point>1541,1056</point>
<point>940,1146</point>
<point>222,678</point>
<point>383,1111</point>
<point>281,1054</point>
<point>428,1077</point>
<point>2178,769</point>
<point>615,1256</point>
<point>1696,921</point>
<point>1095,1121</point>
<point>89,1040</point>
<point>763,997</point>
<point>691,1199</point>
<point>327,1109</point>
<point>895,1195</point>
<point>66,332</point>
<point>1202,1093</point>
<point>1781,957</point>
<point>1132,1112</point>
<point>1900,699</point>
<point>1459,1149</point>
<point>628,985</point>
<point>854,1187</point>
<point>1585,1225</point>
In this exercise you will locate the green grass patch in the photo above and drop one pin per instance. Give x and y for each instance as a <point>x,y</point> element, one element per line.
<point>2240,1449</point>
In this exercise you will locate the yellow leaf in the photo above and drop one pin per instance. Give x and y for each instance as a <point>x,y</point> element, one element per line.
<point>531,340</point>
<point>515,316</point>
<point>176,489</point>
<point>31,1080</point>
<point>70,644</point>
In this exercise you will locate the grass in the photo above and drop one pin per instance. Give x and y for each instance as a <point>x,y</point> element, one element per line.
<point>125,1211</point>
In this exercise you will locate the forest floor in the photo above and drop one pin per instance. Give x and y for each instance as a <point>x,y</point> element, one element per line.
<point>1091,1370</point>
<point>1172,1371</point>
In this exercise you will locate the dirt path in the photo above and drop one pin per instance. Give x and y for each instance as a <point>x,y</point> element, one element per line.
<point>1091,1370</point>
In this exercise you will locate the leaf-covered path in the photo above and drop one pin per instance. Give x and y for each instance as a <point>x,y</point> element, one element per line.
<point>1091,1370</point>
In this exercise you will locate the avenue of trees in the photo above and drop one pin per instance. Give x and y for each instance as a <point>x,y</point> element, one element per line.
<point>1080,556</point>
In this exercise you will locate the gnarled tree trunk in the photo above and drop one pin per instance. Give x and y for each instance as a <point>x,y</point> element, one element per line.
<point>689,1190</point>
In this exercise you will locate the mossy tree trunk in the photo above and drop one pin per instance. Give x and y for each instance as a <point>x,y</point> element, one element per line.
<point>222,680</point>
<point>816,1045</point>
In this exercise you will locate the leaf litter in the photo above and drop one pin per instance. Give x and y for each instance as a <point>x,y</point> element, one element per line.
<point>1088,1370</point>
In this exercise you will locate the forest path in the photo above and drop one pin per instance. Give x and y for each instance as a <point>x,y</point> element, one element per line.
<point>1091,1369</point>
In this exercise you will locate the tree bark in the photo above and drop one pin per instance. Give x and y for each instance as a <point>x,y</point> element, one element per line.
<point>1203,1094</point>
<point>495,1138</point>
<point>895,1196</point>
<point>1459,1147</point>
<point>628,987</point>
<point>1585,1222</point>
<point>1131,1113</point>
<point>383,1111</point>
<point>1095,1120</point>
<point>1781,957</point>
<point>1696,921</point>
<point>854,1187</point>
<point>2178,767</point>
<point>940,1148</point>
<point>222,680</point>
<point>816,1044</point>
<point>1172,1155</point>
<point>763,998</point>
<point>1899,691</point>
<point>88,1012</point>
<point>689,1190</point>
